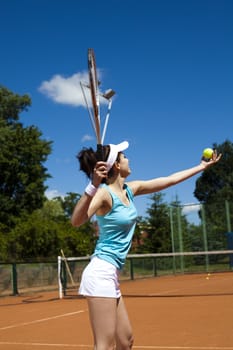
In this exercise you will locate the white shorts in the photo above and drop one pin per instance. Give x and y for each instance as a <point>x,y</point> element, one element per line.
<point>100,279</point>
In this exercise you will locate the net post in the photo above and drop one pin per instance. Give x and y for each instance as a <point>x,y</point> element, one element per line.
<point>60,288</point>
<point>64,277</point>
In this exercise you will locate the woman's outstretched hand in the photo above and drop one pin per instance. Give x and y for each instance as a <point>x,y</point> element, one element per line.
<point>214,159</point>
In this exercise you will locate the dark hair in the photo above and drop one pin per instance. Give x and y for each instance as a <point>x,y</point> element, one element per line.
<point>88,158</point>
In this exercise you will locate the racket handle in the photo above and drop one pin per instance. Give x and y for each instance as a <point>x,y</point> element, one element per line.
<point>99,152</point>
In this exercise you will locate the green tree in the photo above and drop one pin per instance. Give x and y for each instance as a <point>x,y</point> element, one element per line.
<point>213,188</point>
<point>180,228</point>
<point>22,157</point>
<point>158,239</point>
<point>140,236</point>
<point>11,105</point>
<point>33,237</point>
<point>217,181</point>
<point>68,203</point>
<point>78,241</point>
<point>42,234</point>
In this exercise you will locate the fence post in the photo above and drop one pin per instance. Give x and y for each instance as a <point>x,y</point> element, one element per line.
<point>172,239</point>
<point>228,216</point>
<point>205,236</point>
<point>181,247</point>
<point>14,279</point>
<point>131,269</point>
<point>155,267</point>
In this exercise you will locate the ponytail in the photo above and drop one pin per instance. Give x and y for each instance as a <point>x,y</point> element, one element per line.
<point>88,158</point>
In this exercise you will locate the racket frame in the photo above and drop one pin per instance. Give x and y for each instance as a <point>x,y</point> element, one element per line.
<point>94,87</point>
<point>94,112</point>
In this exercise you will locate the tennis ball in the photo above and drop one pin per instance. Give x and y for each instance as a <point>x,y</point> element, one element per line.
<point>207,153</point>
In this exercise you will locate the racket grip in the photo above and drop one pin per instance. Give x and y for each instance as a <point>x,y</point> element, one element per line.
<point>99,152</point>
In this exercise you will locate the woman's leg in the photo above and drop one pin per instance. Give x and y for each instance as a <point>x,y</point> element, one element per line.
<point>124,334</point>
<point>103,318</point>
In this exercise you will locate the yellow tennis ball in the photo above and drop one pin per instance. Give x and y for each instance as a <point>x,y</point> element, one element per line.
<point>207,153</point>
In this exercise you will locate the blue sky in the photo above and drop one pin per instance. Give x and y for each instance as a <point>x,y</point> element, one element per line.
<point>170,62</point>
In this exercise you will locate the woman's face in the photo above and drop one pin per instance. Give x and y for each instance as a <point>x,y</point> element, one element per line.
<point>124,165</point>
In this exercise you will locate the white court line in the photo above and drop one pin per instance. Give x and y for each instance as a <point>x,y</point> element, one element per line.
<point>164,292</point>
<point>41,320</point>
<point>47,345</point>
<point>144,347</point>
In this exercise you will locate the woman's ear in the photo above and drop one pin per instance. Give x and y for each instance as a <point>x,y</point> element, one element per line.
<point>117,165</point>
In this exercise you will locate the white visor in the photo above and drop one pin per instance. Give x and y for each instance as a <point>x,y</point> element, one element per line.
<point>114,150</point>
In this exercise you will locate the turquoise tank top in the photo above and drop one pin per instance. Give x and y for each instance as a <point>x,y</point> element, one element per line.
<point>116,230</point>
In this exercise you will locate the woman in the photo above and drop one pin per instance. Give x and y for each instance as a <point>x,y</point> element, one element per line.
<point>111,199</point>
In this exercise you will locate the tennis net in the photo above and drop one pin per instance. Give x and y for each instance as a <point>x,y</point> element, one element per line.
<point>147,265</point>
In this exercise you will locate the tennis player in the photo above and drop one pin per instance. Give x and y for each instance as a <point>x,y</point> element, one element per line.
<point>111,199</point>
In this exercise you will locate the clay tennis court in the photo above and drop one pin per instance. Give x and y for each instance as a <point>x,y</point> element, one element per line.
<point>192,312</point>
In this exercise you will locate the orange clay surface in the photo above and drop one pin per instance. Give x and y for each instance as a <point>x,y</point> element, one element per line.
<point>193,312</point>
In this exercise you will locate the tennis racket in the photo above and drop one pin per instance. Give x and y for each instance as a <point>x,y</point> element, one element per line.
<point>94,110</point>
<point>95,98</point>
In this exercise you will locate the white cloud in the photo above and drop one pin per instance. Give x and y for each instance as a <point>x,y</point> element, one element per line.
<point>50,194</point>
<point>87,138</point>
<point>191,208</point>
<point>191,213</point>
<point>65,90</point>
